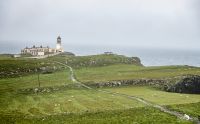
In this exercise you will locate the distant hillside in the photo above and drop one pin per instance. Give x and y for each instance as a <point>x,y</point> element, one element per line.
<point>5,56</point>
<point>12,67</point>
<point>101,60</point>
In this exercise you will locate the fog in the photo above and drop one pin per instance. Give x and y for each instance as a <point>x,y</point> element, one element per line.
<point>169,24</point>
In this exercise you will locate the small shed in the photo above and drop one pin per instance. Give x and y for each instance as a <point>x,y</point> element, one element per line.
<point>16,55</point>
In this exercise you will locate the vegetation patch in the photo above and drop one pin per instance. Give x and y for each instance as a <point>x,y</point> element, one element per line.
<point>132,72</point>
<point>193,109</point>
<point>48,95</point>
<point>51,89</point>
<point>17,68</point>
<point>14,67</point>
<point>144,115</point>
<point>157,96</point>
<point>56,79</point>
<point>101,60</point>
<point>34,111</point>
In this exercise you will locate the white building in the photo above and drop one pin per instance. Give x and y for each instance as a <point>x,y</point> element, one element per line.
<point>41,51</point>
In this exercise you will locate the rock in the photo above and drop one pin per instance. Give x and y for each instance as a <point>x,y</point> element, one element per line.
<point>188,84</point>
<point>36,90</point>
<point>186,117</point>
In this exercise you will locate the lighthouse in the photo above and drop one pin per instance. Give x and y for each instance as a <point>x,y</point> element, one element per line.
<point>58,45</point>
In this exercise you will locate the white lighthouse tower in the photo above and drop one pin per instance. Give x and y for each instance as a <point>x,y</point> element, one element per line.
<point>58,45</point>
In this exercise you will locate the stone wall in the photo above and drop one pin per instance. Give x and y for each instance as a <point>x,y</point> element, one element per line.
<point>180,84</point>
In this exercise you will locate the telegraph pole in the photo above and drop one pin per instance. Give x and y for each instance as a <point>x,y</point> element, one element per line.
<point>38,75</point>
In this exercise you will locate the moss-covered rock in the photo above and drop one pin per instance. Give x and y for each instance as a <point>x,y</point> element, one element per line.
<point>188,84</point>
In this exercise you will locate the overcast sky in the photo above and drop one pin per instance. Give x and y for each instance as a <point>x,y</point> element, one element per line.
<point>137,23</point>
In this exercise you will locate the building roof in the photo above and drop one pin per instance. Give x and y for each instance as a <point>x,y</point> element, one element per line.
<point>35,47</point>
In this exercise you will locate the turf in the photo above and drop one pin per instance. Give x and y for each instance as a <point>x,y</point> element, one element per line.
<point>13,67</point>
<point>96,60</point>
<point>192,109</point>
<point>68,101</point>
<point>127,72</point>
<point>78,105</point>
<point>21,67</point>
<point>144,115</point>
<point>157,96</point>
<point>31,81</point>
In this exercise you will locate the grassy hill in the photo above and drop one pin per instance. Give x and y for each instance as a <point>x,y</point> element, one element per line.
<point>13,67</point>
<point>102,60</point>
<point>60,100</point>
<point>96,60</point>
<point>128,72</point>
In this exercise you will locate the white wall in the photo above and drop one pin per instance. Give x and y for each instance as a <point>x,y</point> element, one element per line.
<point>40,53</point>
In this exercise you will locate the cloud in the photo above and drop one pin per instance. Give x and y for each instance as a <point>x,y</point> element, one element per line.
<point>166,23</point>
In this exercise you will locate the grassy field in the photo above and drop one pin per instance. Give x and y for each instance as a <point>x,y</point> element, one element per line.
<point>20,67</point>
<point>144,115</point>
<point>183,103</point>
<point>70,103</point>
<point>60,102</point>
<point>126,72</point>
<point>157,96</point>
<point>31,81</point>
<point>5,56</point>
<point>13,67</point>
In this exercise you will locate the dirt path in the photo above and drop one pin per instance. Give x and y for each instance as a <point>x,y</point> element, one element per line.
<point>72,76</point>
<point>163,109</point>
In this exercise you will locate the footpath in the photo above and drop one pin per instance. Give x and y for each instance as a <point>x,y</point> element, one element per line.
<point>161,108</point>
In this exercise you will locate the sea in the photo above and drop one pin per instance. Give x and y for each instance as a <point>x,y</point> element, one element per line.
<point>148,56</point>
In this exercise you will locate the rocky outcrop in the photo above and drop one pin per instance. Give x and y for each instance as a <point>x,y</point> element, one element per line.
<point>188,84</point>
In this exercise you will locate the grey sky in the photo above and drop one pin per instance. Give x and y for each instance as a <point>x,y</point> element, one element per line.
<point>146,23</point>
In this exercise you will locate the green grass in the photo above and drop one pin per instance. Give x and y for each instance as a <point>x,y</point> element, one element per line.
<point>96,60</point>
<point>21,67</point>
<point>5,56</point>
<point>10,68</point>
<point>78,105</point>
<point>126,72</point>
<point>13,67</point>
<point>46,80</point>
<point>192,109</point>
<point>144,115</point>
<point>68,101</point>
<point>157,96</point>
